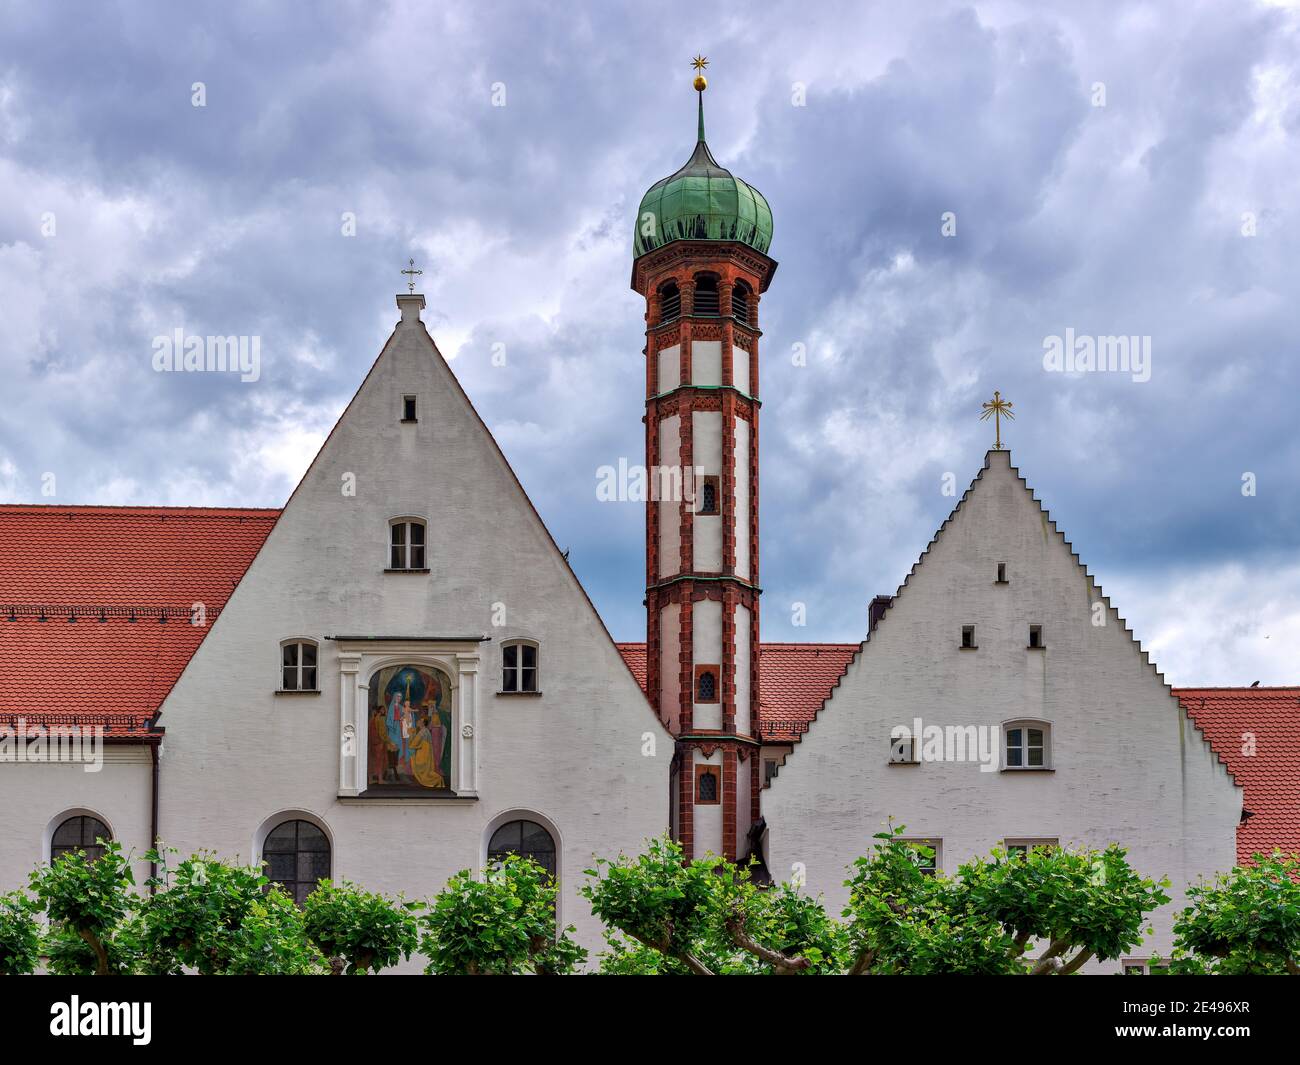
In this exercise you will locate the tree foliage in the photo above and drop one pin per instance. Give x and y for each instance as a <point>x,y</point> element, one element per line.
<point>501,924</point>
<point>358,931</point>
<point>87,898</point>
<point>20,934</point>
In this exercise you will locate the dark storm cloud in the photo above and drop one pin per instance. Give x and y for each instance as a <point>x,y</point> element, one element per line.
<point>1122,219</point>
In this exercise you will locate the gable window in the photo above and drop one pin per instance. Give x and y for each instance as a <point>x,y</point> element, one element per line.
<point>706,295</point>
<point>1036,636</point>
<point>706,684</point>
<point>740,303</point>
<point>519,667</point>
<point>406,542</point>
<point>709,496</point>
<point>298,666</point>
<point>925,853</point>
<point>1028,744</point>
<point>670,302</point>
<point>1002,573</point>
<point>297,857</point>
<point>80,833</point>
<point>408,409</point>
<point>707,785</point>
<point>968,638</point>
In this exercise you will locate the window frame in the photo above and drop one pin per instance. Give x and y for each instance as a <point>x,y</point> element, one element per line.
<point>1022,845</point>
<point>703,769</point>
<point>715,482</point>
<point>297,819</point>
<point>911,759</point>
<point>1036,631</point>
<point>407,523</point>
<point>411,399</point>
<point>518,643</point>
<point>1002,574</point>
<point>700,671</point>
<point>523,819</point>
<point>935,844</point>
<point>968,630</point>
<point>83,816</point>
<point>300,642</point>
<point>1024,725</point>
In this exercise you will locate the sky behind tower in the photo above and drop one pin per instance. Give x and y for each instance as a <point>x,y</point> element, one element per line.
<point>952,186</point>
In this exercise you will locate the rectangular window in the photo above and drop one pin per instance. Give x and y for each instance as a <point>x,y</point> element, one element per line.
<point>289,682</point>
<point>308,656</point>
<point>769,771</point>
<point>1018,848</point>
<point>925,852</point>
<point>417,545</point>
<point>519,667</point>
<point>408,408</point>
<point>1035,636</point>
<point>398,560</point>
<point>968,637</point>
<point>1002,573</point>
<point>407,545</point>
<point>902,751</point>
<point>298,667</point>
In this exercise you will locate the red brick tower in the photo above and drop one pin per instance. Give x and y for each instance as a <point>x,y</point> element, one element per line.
<point>701,263</point>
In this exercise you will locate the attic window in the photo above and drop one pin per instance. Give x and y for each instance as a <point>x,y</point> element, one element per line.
<point>406,545</point>
<point>1002,573</point>
<point>1035,636</point>
<point>968,638</point>
<point>408,409</point>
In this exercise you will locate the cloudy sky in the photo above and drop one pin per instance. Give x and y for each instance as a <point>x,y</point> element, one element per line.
<point>1113,169</point>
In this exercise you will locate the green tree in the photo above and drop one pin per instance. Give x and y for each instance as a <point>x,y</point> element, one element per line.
<point>20,934</point>
<point>218,918</point>
<point>1246,921</point>
<point>500,924</point>
<point>360,932</point>
<point>87,898</point>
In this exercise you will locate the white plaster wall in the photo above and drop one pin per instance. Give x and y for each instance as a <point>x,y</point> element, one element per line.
<point>670,368</point>
<point>669,664</point>
<point>708,819</point>
<point>238,754</point>
<point>670,520</point>
<point>742,670</point>
<point>1128,765</point>
<point>35,798</point>
<point>740,369</point>
<point>740,516</point>
<point>706,636</point>
<point>706,538</point>
<point>706,362</point>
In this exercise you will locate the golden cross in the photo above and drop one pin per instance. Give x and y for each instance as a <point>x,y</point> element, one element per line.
<point>412,273</point>
<point>998,408</point>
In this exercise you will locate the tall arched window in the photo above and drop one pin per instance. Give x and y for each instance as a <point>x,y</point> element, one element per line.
<point>740,303</point>
<point>297,857</point>
<point>528,839</point>
<point>706,294</point>
<point>80,833</point>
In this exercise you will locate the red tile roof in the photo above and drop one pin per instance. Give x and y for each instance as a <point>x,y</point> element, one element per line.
<point>1256,731</point>
<point>84,592</point>
<point>795,679</point>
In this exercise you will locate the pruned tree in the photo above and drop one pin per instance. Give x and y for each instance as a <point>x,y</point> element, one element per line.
<point>20,934</point>
<point>88,899</point>
<point>358,931</point>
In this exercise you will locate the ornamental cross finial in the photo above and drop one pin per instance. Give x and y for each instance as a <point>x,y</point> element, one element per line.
<point>412,273</point>
<point>997,408</point>
<point>699,63</point>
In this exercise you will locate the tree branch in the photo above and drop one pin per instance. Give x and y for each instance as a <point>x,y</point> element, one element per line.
<point>863,963</point>
<point>1292,966</point>
<point>783,964</point>
<point>101,955</point>
<point>1075,964</point>
<point>1048,964</point>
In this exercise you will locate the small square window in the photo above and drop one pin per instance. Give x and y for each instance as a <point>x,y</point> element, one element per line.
<point>1002,573</point>
<point>408,409</point>
<point>968,637</point>
<point>925,853</point>
<point>1035,636</point>
<point>902,750</point>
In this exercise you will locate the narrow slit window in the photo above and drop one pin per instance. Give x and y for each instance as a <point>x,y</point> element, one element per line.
<point>408,408</point>
<point>968,637</point>
<point>1002,573</point>
<point>1035,636</point>
<point>709,496</point>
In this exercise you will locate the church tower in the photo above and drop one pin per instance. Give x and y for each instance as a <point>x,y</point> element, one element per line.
<point>701,263</point>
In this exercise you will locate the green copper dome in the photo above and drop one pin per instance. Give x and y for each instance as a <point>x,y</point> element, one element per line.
<point>702,201</point>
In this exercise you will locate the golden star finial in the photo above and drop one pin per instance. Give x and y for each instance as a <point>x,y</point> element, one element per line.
<point>699,63</point>
<point>997,408</point>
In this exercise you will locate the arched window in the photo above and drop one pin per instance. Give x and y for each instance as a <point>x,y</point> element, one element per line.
<point>709,496</point>
<point>297,857</point>
<point>706,294</point>
<point>298,666</point>
<point>80,833</point>
<point>406,544</point>
<point>706,785</point>
<point>740,302</point>
<point>670,301</point>
<point>1028,744</point>
<point>519,671</point>
<point>525,838</point>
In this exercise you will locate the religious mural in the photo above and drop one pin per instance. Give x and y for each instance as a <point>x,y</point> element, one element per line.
<point>409,738</point>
